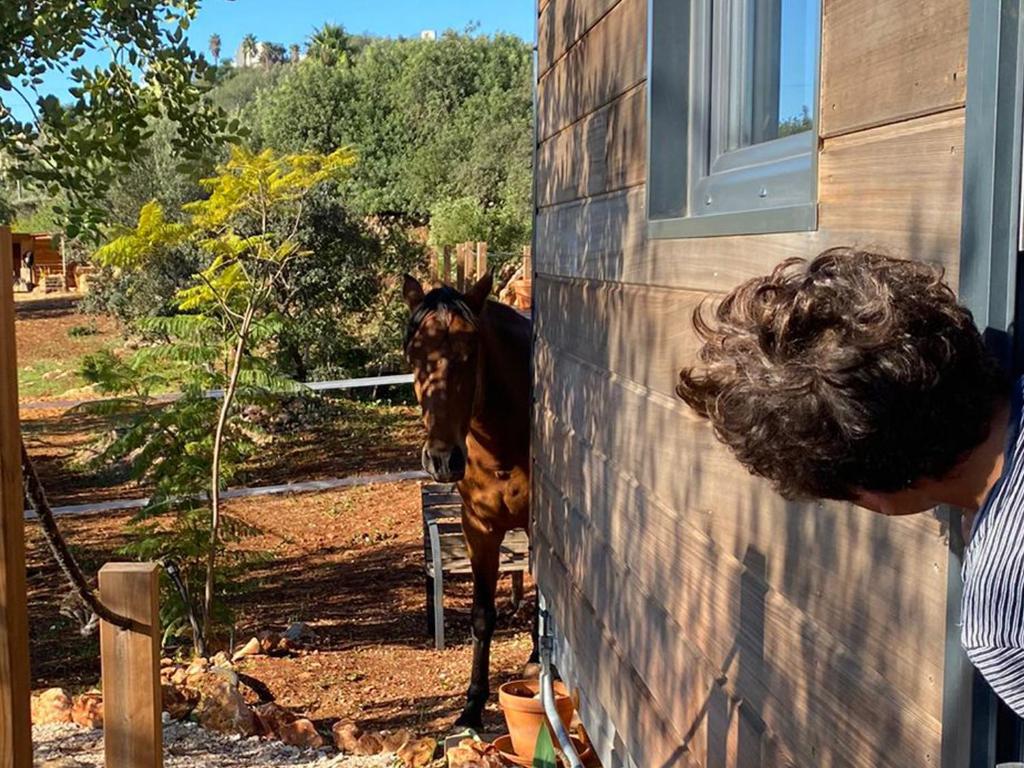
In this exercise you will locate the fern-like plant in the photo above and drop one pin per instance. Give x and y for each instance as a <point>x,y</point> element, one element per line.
<point>247,227</point>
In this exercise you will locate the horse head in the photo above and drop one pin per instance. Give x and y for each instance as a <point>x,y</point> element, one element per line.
<point>442,344</point>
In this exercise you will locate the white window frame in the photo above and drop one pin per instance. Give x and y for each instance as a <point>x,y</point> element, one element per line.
<point>696,187</point>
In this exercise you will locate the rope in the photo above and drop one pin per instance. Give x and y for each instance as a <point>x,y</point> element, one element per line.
<point>36,497</point>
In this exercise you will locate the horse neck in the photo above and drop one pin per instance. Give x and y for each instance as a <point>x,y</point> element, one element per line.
<point>503,381</point>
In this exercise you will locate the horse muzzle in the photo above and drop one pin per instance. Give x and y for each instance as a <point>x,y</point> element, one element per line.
<point>445,465</point>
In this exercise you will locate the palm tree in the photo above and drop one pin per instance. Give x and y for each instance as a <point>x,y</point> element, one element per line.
<point>270,54</point>
<point>294,53</point>
<point>215,47</point>
<point>249,46</point>
<point>330,43</point>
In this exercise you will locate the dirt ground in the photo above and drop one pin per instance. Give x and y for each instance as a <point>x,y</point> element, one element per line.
<point>348,562</point>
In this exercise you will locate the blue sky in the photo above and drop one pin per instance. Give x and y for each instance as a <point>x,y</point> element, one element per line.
<point>292,21</point>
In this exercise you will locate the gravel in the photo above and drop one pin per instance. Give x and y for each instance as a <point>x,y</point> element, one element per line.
<point>185,744</point>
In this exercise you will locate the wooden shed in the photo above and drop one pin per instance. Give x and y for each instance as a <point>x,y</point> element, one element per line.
<point>48,262</point>
<point>683,146</point>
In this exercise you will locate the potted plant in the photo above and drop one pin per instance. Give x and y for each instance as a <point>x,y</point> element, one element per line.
<point>524,712</point>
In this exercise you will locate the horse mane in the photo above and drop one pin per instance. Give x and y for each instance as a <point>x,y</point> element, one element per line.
<point>441,301</point>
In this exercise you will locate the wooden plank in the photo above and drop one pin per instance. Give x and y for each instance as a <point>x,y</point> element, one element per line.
<point>562,23</point>
<point>605,674</point>
<point>895,188</point>
<point>602,153</point>
<point>446,265</point>
<point>130,661</point>
<point>481,260</point>
<point>15,726</point>
<point>878,585</point>
<point>812,695</point>
<point>883,62</point>
<point>610,60</point>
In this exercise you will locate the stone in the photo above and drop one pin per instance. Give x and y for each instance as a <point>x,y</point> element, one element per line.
<point>395,741</point>
<point>222,708</point>
<point>463,757</point>
<point>88,710</point>
<point>220,660</point>
<point>369,744</point>
<point>252,648</point>
<point>51,706</point>
<point>301,732</point>
<point>179,676</point>
<point>177,702</point>
<point>418,753</point>
<point>346,735</point>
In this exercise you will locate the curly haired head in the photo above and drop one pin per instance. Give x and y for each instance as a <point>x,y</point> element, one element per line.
<point>854,371</point>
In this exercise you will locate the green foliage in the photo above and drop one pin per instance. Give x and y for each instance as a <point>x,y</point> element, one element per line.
<point>544,755</point>
<point>169,447</point>
<point>246,229</point>
<point>433,122</point>
<point>76,150</point>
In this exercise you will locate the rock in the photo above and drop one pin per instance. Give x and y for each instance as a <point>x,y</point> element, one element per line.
<point>166,662</point>
<point>178,702</point>
<point>393,742</point>
<point>179,676</point>
<point>252,648</point>
<point>369,744</point>
<point>222,708</point>
<point>346,735</point>
<point>463,757</point>
<point>417,753</point>
<point>51,706</point>
<point>220,660</point>
<point>88,710</point>
<point>272,717</point>
<point>301,732</point>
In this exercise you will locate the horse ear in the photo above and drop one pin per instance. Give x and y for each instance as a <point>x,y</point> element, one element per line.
<point>476,296</point>
<point>412,291</point>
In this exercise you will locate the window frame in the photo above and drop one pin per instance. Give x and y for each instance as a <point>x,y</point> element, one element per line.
<point>696,188</point>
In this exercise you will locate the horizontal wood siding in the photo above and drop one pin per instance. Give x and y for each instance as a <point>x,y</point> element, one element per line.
<point>597,69</point>
<point>890,60</point>
<point>717,624</point>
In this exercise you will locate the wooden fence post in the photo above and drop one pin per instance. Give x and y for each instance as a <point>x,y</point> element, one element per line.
<point>460,267</point>
<point>446,270</point>
<point>15,718</point>
<point>130,665</point>
<point>527,262</point>
<point>481,260</point>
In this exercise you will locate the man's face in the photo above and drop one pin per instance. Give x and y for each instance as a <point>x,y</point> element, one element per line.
<point>909,501</point>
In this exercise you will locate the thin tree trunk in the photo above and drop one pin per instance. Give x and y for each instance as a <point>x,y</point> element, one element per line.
<point>218,439</point>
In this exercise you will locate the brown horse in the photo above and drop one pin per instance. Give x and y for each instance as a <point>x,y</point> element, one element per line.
<point>471,368</point>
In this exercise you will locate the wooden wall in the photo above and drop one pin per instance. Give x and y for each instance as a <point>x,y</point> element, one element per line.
<point>714,623</point>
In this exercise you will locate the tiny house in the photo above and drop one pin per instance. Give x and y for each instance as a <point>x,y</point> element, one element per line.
<point>683,146</point>
<point>46,258</point>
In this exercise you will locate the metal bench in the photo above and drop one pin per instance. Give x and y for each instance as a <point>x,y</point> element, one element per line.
<point>445,552</point>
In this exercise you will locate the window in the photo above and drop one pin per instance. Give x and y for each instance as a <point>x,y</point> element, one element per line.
<point>733,97</point>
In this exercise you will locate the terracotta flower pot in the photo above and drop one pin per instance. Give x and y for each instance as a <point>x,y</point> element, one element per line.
<point>524,712</point>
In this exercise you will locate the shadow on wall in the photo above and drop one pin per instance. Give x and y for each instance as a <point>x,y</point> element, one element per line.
<point>752,631</point>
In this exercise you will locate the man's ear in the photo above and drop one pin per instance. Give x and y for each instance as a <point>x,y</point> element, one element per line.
<point>476,297</point>
<point>412,292</point>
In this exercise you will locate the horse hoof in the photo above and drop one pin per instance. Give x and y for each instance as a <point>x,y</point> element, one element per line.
<point>470,720</point>
<point>530,671</point>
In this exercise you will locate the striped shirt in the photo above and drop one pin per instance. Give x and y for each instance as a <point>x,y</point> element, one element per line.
<point>993,572</point>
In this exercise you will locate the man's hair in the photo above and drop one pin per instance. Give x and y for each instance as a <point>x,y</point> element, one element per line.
<point>853,371</point>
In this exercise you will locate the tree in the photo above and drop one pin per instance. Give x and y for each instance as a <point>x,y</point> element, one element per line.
<point>331,44</point>
<point>294,53</point>
<point>215,47</point>
<point>247,227</point>
<point>270,54</point>
<point>249,49</point>
<point>74,150</point>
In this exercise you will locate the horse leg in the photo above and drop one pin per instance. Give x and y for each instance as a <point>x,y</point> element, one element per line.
<point>484,548</point>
